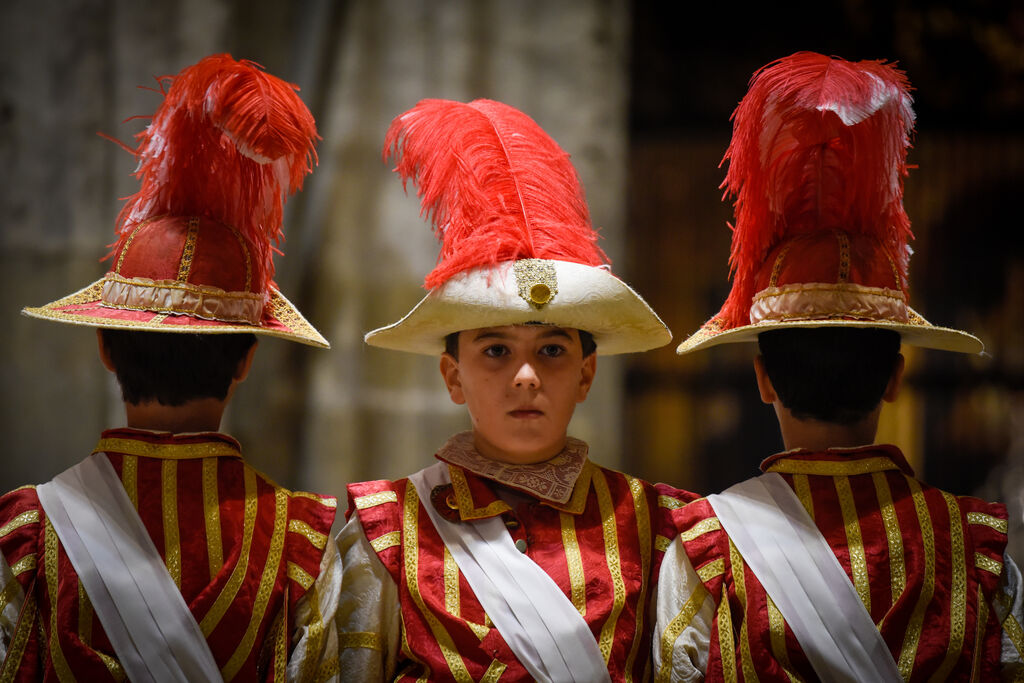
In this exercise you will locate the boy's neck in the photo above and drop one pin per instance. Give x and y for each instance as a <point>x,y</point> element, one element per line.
<point>815,435</point>
<point>198,415</point>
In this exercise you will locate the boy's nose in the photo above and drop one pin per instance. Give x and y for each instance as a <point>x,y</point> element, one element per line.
<point>527,376</point>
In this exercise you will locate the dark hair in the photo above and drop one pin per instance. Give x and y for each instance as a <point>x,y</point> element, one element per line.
<point>587,343</point>
<point>830,374</point>
<point>174,368</point>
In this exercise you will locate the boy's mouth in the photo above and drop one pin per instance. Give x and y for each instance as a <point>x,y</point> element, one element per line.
<point>526,413</point>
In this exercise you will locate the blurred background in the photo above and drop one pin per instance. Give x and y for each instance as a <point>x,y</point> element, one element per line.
<point>638,93</point>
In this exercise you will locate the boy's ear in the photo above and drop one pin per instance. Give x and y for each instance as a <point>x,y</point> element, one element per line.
<point>452,379</point>
<point>244,365</point>
<point>586,377</point>
<point>104,352</point>
<point>764,383</point>
<point>892,389</point>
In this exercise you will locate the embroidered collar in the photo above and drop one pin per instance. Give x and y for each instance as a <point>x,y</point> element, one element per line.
<point>839,461</point>
<point>561,482</point>
<point>166,445</point>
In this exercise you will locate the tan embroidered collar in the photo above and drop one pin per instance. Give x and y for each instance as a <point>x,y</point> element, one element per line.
<point>553,480</point>
<point>166,445</point>
<point>839,461</point>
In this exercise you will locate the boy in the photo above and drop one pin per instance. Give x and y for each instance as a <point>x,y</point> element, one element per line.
<point>515,557</point>
<point>164,556</point>
<point>837,564</point>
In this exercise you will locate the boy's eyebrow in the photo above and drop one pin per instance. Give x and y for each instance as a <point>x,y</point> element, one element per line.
<point>494,334</point>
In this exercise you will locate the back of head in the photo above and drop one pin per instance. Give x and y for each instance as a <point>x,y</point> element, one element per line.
<point>830,374</point>
<point>173,369</point>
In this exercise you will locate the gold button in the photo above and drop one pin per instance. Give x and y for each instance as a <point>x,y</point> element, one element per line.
<point>450,501</point>
<point>540,293</point>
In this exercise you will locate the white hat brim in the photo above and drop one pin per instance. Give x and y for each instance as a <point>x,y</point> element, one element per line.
<point>588,298</point>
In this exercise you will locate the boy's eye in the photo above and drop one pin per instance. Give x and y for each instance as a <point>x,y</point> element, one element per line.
<point>552,350</point>
<point>496,351</point>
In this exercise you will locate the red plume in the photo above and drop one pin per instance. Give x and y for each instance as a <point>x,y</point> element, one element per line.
<point>818,144</point>
<point>495,186</point>
<point>229,142</point>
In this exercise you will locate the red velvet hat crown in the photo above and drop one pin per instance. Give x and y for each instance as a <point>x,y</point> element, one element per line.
<point>195,246</point>
<point>816,165</point>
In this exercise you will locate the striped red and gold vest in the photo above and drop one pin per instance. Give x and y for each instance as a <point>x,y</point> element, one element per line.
<point>924,562</point>
<point>602,547</point>
<point>241,549</point>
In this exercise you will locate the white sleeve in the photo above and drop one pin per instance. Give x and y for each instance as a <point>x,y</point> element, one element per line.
<point>1009,606</point>
<point>369,616</point>
<point>682,629</point>
<point>315,654</point>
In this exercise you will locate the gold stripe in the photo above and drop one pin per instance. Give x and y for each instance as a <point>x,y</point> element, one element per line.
<point>451,584</point>
<point>211,516</point>
<point>128,243</point>
<point>27,517</point>
<point>230,590</point>
<point>493,672</point>
<point>375,499</point>
<point>662,543</point>
<point>479,630</point>
<point>50,544</point>
<point>643,523</point>
<point>410,548</point>
<point>739,581</point>
<point>299,576</point>
<point>777,633</point>
<point>317,539</point>
<point>113,666</point>
<point>913,633</point>
<point>574,560</point>
<point>675,629</point>
<point>464,499</point>
<point>670,503</point>
<point>972,518</point>
<point>832,468</point>
<point>16,650</point>
<point>84,616</point>
<point>711,570</point>
<point>611,554</point>
<point>958,591</point>
<point>988,564</point>
<point>844,256</point>
<point>27,563</point>
<point>803,491</point>
<point>189,250</point>
<point>179,451</point>
<point>388,540</point>
<point>169,500</point>
<point>248,257</point>
<point>130,478</point>
<point>1013,631</point>
<point>854,541</point>
<point>897,563</point>
<point>280,630</point>
<point>326,501</point>
<point>364,639</point>
<point>979,634</point>
<point>700,528</point>
<point>266,587</point>
<point>726,646</point>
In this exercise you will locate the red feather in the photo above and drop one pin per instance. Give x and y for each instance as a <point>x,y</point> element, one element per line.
<point>495,186</point>
<point>229,142</point>
<point>818,144</point>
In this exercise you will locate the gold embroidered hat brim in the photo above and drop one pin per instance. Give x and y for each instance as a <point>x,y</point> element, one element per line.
<point>588,298</point>
<point>85,307</point>
<point>916,332</point>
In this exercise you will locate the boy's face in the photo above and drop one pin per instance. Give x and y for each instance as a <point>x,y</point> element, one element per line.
<point>521,384</point>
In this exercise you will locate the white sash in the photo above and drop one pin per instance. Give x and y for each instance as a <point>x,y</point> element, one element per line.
<point>531,612</point>
<point>784,549</point>
<point>154,634</point>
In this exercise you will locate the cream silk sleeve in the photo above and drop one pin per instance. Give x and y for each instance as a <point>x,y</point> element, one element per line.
<point>315,654</point>
<point>369,614</point>
<point>1009,607</point>
<point>684,613</point>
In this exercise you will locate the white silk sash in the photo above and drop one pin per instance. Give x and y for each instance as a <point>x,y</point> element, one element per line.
<point>784,549</point>
<point>539,623</point>
<point>154,634</point>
